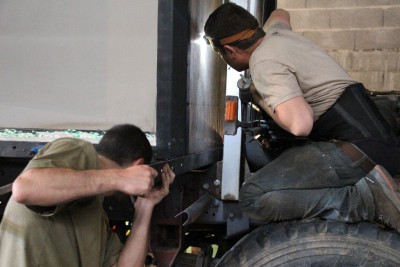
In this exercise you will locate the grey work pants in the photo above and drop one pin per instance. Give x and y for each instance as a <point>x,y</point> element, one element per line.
<point>313,180</point>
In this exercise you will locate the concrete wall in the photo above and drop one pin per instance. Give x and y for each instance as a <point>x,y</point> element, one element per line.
<point>362,35</point>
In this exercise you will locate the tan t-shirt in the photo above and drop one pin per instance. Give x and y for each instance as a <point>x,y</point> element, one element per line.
<point>75,234</point>
<point>287,65</point>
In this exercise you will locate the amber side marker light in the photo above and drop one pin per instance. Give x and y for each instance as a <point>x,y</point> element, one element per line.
<point>231,115</point>
<point>231,108</point>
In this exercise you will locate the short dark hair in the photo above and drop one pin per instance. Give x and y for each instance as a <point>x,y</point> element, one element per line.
<point>124,144</point>
<point>229,19</point>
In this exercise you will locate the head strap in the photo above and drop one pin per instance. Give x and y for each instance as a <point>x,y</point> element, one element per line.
<point>243,35</point>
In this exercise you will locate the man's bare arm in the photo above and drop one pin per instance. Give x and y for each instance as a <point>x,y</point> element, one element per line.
<point>136,246</point>
<point>295,115</point>
<point>278,16</point>
<point>52,186</point>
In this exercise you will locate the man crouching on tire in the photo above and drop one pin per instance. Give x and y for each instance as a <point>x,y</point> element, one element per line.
<point>344,172</point>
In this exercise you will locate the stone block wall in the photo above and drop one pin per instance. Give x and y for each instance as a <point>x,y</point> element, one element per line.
<point>362,35</point>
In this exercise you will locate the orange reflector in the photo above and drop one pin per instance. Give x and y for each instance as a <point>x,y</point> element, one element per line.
<point>231,108</point>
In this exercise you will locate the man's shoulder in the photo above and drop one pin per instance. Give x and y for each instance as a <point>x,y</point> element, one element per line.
<point>68,143</point>
<point>66,153</point>
<point>277,25</point>
<point>269,50</point>
<point>71,140</point>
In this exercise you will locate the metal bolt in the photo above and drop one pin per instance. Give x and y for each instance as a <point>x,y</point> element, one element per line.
<point>217,182</point>
<point>216,203</point>
<point>206,186</point>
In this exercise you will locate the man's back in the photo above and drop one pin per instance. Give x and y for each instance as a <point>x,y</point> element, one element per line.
<point>289,61</point>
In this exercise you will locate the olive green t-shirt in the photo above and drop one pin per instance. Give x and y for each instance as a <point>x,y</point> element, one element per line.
<point>74,234</point>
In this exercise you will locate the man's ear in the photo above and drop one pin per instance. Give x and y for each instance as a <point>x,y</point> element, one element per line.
<point>138,161</point>
<point>230,51</point>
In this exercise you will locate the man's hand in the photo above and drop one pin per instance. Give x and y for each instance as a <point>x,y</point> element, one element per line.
<point>136,180</point>
<point>157,194</point>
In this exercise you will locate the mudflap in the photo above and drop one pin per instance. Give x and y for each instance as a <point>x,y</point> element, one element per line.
<point>316,242</point>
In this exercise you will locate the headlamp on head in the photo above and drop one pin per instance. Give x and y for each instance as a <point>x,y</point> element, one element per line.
<point>214,43</point>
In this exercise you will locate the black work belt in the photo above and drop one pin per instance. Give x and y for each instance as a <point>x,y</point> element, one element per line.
<point>356,155</point>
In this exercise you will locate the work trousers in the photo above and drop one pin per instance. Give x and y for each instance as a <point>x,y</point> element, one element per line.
<point>316,179</point>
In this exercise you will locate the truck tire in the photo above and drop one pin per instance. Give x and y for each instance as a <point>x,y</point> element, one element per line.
<point>316,242</point>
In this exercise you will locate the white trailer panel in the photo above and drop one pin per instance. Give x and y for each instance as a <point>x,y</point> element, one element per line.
<point>78,64</point>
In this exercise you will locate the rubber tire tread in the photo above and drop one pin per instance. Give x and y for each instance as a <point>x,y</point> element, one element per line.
<point>315,242</point>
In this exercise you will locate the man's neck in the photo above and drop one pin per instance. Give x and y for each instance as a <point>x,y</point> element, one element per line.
<point>251,49</point>
<point>106,163</point>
